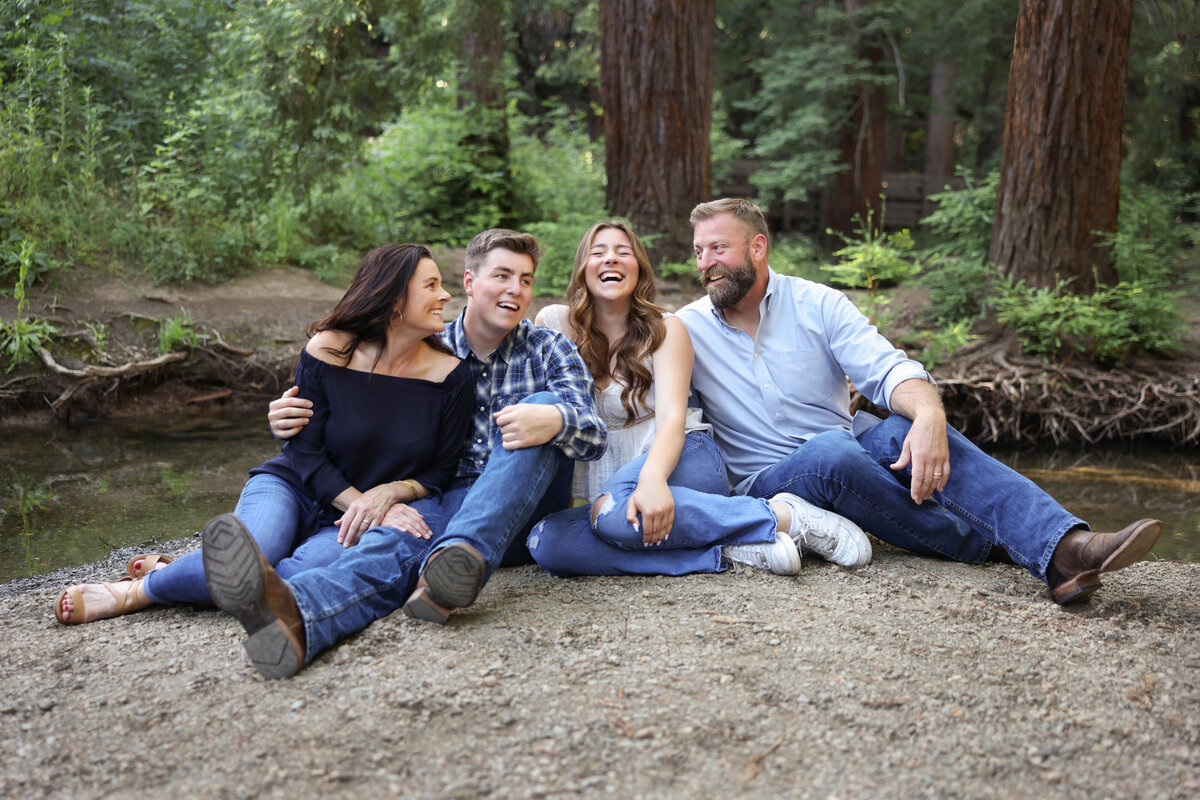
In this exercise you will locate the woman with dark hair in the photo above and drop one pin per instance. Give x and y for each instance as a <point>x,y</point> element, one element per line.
<point>659,497</point>
<point>393,407</point>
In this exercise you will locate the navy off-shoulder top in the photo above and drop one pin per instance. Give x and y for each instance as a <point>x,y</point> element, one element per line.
<point>369,429</point>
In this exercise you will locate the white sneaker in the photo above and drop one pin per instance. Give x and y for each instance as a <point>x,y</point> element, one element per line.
<point>826,534</point>
<point>780,557</point>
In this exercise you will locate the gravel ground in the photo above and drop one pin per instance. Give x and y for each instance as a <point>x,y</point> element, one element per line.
<point>908,678</point>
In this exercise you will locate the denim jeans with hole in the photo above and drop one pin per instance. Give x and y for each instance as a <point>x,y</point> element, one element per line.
<point>706,518</point>
<point>491,513</point>
<point>287,525</point>
<point>985,503</point>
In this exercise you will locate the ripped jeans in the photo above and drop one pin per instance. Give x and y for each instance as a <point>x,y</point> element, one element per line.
<point>706,518</point>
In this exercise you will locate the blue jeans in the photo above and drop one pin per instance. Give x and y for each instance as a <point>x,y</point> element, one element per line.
<point>285,522</point>
<point>706,518</point>
<point>984,503</point>
<point>377,575</point>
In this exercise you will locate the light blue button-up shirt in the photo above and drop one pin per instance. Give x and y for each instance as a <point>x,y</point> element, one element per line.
<point>765,396</point>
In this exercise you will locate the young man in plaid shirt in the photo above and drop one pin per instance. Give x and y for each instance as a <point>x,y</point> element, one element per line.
<point>534,417</point>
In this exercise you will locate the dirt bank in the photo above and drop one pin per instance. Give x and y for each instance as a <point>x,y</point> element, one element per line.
<point>908,678</point>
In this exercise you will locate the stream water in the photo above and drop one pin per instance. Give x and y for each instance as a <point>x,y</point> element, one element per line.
<point>68,498</point>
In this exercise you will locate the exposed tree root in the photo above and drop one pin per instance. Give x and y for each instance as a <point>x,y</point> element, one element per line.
<point>994,395</point>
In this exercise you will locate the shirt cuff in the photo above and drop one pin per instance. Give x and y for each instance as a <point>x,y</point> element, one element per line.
<point>899,374</point>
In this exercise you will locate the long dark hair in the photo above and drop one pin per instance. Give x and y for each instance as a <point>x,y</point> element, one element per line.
<point>644,327</point>
<point>365,310</point>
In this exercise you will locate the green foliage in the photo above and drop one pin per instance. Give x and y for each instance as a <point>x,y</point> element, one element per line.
<point>177,331</point>
<point>21,337</point>
<point>956,270</point>
<point>1138,317</point>
<point>872,260</point>
<point>1152,232</point>
<point>424,180</point>
<point>940,344</point>
<point>559,239</point>
<point>1163,98</point>
<point>97,333</point>
<point>796,255</point>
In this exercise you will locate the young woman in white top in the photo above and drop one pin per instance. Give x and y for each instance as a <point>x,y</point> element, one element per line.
<point>659,498</point>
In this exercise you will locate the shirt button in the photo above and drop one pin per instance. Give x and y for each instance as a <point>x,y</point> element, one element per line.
<point>778,415</point>
<point>766,386</point>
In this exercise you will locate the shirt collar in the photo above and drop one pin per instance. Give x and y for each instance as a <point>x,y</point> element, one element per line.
<point>456,338</point>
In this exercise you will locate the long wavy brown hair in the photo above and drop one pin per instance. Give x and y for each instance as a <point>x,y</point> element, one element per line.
<point>379,285</point>
<point>644,331</point>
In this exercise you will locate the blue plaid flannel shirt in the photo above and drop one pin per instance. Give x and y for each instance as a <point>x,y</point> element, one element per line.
<point>530,359</point>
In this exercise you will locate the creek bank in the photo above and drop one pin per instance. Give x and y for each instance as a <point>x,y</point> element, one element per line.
<point>250,330</point>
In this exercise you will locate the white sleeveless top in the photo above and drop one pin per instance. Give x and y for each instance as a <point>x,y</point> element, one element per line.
<point>626,441</point>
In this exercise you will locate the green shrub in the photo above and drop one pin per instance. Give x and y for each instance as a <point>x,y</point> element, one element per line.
<point>559,240</point>
<point>177,331</point>
<point>1132,318</point>
<point>795,254</point>
<point>956,270</point>
<point>20,337</point>
<point>872,260</point>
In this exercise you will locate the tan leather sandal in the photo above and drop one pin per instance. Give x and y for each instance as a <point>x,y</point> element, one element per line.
<point>149,562</point>
<point>133,599</point>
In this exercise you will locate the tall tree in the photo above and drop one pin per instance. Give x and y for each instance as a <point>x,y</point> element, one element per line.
<point>656,74</point>
<point>483,84</point>
<point>1060,177</point>
<point>861,142</point>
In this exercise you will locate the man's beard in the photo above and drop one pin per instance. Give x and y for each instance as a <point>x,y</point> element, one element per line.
<point>738,282</point>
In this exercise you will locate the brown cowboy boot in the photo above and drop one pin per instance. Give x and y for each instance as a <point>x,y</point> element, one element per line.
<point>1074,569</point>
<point>243,584</point>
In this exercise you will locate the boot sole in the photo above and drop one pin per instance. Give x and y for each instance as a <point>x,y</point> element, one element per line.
<point>452,579</point>
<point>236,579</point>
<point>1140,542</point>
<point>421,606</point>
<point>1081,587</point>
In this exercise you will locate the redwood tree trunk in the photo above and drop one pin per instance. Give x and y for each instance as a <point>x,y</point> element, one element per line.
<point>483,89</point>
<point>858,185</point>
<point>1060,177</point>
<point>939,144</point>
<point>656,76</point>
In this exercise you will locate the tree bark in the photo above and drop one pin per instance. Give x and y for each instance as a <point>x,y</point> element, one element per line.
<point>862,140</point>
<point>656,75</point>
<point>939,142</point>
<point>1060,176</point>
<point>483,26</point>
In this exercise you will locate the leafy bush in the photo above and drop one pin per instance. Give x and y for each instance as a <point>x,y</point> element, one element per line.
<point>21,338</point>
<point>872,260</point>
<point>177,331</point>
<point>956,270</point>
<point>1132,318</point>
<point>796,255</point>
<point>1151,232</point>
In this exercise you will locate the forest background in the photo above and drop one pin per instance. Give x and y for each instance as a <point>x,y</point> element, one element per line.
<point>918,143</point>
